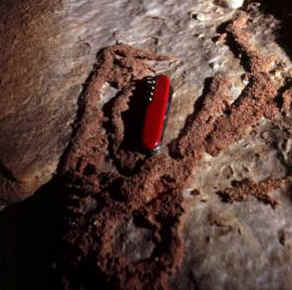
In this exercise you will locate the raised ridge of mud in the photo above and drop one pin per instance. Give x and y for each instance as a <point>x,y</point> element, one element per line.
<point>102,202</point>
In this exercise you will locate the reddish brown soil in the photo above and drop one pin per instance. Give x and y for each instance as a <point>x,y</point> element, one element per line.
<point>242,190</point>
<point>146,189</point>
<point>287,102</point>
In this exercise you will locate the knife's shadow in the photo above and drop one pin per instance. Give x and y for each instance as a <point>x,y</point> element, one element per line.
<point>133,118</point>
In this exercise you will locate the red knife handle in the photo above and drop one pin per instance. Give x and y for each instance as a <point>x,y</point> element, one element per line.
<point>156,114</point>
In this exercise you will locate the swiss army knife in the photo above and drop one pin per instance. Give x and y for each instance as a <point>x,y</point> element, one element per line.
<point>158,99</point>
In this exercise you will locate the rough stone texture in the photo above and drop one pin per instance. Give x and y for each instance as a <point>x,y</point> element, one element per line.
<point>229,140</point>
<point>239,245</point>
<point>48,51</point>
<point>40,81</point>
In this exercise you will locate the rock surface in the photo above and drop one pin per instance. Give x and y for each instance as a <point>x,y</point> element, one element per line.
<point>40,83</point>
<point>232,80</point>
<point>48,52</point>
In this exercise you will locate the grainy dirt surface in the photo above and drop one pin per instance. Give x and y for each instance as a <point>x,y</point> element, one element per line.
<point>212,210</point>
<point>150,198</point>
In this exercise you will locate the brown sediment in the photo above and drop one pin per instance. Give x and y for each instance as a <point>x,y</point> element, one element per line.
<point>214,102</point>
<point>110,197</point>
<point>253,61</point>
<point>255,102</point>
<point>147,191</point>
<point>287,102</point>
<point>242,190</point>
<point>119,66</point>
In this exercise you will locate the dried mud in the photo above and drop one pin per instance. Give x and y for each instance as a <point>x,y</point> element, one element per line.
<point>242,190</point>
<point>146,191</point>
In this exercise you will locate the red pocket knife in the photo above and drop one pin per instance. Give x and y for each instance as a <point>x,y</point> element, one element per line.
<point>155,118</point>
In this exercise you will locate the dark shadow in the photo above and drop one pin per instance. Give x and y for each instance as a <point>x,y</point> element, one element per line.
<point>29,234</point>
<point>282,10</point>
<point>235,47</point>
<point>132,122</point>
<point>134,117</point>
